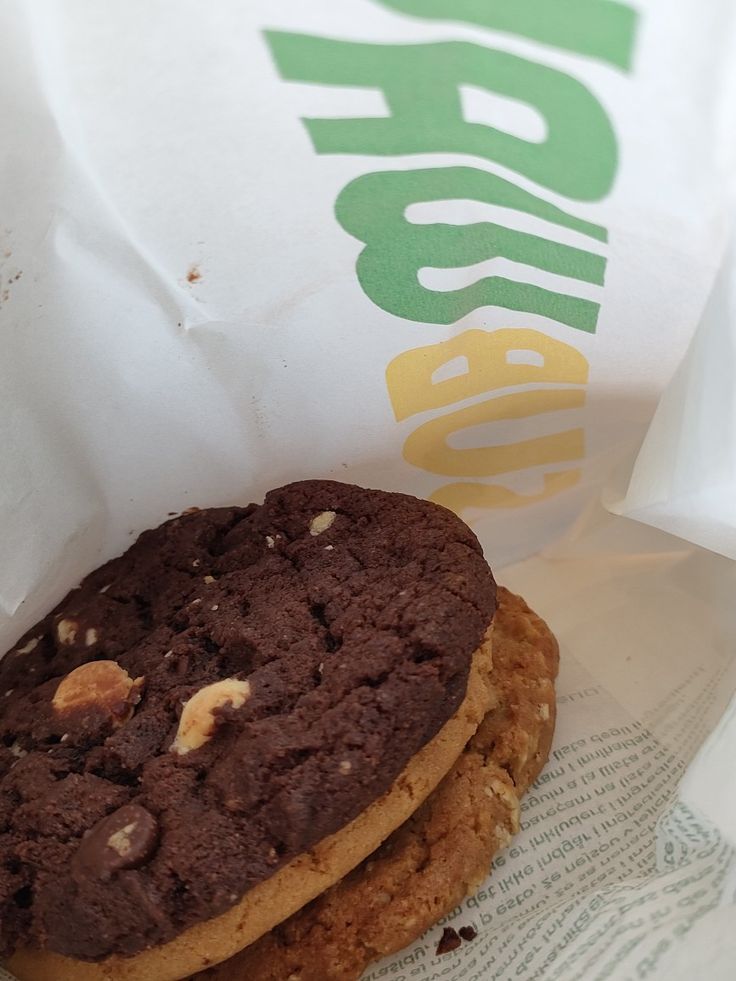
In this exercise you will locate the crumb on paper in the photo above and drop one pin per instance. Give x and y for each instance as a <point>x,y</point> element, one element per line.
<point>468,932</point>
<point>448,941</point>
<point>194,275</point>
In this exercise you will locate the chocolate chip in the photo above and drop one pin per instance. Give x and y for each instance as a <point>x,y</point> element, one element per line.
<point>468,933</point>
<point>124,839</point>
<point>448,941</point>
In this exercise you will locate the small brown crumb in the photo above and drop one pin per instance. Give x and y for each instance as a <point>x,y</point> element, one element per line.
<point>448,941</point>
<point>468,933</point>
<point>194,274</point>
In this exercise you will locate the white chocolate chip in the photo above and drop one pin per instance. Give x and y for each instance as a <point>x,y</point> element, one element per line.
<point>120,840</point>
<point>105,588</point>
<point>197,722</point>
<point>270,541</point>
<point>103,685</point>
<point>9,692</point>
<point>322,522</point>
<point>507,795</point>
<point>503,836</point>
<point>30,646</point>
<point>90,637</point>
<point>64,737</point>
<point>66,631</point>
<point>329,548</point>
<point>17,751</point>
<point>169,654</point>
<point>195,563</point>
<point>209,579</point>
<point>345,766</point>
<point>215,607</point>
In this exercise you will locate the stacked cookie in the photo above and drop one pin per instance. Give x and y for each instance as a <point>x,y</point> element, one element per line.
<point>253,718</point>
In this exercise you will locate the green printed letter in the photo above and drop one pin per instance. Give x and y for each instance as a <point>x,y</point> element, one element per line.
<point>603,29</point>
<point>421,83</point>
<point>373,207</point>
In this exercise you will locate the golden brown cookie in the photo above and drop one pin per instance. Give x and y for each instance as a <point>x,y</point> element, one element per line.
<point>296,883</point>
<point>444,851</point>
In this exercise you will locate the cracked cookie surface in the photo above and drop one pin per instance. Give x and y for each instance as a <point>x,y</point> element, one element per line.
<point>444,851</point>
<point>352,616</point>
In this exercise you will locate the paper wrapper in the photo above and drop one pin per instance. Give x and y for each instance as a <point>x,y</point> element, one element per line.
<point>453,248</point>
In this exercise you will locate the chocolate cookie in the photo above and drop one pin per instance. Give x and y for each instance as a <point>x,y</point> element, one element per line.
<point>220,703</point>
<point>443,852</point>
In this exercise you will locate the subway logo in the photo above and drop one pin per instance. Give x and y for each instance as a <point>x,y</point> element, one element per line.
<point>577,160</point>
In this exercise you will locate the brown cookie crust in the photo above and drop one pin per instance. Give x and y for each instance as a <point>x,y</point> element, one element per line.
<point>444,851</point>
<point>251,679</point>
